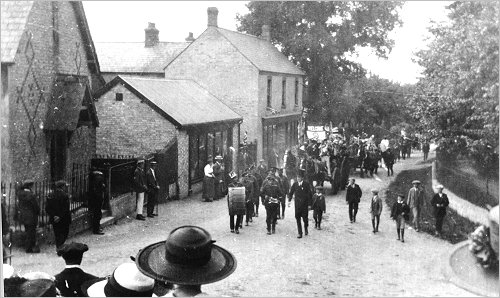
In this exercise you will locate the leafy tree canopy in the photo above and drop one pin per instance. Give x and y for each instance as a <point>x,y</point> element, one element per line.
<point>317,35</point>
<point>460,84</point>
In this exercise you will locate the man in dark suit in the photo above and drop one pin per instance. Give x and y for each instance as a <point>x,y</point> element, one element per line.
<point>97,189</point>
<point>58,210</point>
<point>353,196</point>
<point>303,201</point>
<point>28,215</point>
<point>70,280</point>
<point>153,187</point>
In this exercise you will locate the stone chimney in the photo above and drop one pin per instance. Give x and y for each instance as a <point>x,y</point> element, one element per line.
<point>212,16</point>
<point>266,32</point>
<point>190,37</point>
<point>152,35</point>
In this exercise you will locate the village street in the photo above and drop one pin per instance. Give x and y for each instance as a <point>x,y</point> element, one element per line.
<point>342,259</point>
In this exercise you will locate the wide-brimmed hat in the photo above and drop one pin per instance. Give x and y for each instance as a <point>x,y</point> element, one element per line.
<point>188,257</point>
<point>374,190</point>
<point>126,281</point>
<point>219,157</point>
<point>416,182</point>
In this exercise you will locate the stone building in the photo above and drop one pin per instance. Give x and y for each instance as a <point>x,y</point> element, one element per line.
<point>250,75</point>
<point>177,121</point>
<point>147,58</point>
<point>49,72</point>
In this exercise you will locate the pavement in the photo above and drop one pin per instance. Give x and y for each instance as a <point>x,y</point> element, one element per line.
<point>343,259</point>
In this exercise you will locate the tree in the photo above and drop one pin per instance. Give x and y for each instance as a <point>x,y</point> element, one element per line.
<point>459,101</point>
<point>317,35</point>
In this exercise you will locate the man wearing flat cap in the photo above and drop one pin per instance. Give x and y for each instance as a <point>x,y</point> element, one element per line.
<point>58,210</point>
<point>416,201</point>
<point>70,280</point>
<point>153,188</point>
<point>97,189</point>
<point>28,215</point>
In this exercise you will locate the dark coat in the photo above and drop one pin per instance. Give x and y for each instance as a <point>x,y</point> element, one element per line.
<point>398,208</point>
<point>58,205</point>
<point>28,207</point>
<point>97,189</point>
<point>151,182</point>
<point>303,196</point>
<point>73,278</point>
<point>5,222</point>
<point>140,180</point>
<point>318,203</point>
<point>270,190</point>
<point>353,194</point>
<point>436,199</point>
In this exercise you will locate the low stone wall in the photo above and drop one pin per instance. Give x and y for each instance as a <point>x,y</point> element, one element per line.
<point>123,205</point>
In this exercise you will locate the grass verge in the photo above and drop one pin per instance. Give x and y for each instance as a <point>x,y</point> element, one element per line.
<point>455,227</point>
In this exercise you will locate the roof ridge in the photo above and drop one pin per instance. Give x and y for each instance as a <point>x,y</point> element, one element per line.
<point>151,79</point>
<point>140,42</point>
<point>246,34</point>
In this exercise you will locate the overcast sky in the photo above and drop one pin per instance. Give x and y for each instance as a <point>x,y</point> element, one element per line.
<point>126,21</point>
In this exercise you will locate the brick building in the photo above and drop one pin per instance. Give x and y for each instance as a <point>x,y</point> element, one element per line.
<point>147,58</point>
<point>49,71</point>
<point>146,116</point>
<point>251,76</point>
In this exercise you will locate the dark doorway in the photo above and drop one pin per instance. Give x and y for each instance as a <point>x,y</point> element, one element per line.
<point>58,154</point>
<point>168,171</point>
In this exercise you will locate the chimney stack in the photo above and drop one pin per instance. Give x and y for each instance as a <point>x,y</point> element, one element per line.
<point>190,38</point>
<point>266,33</point>
<point>152,36</point>
<point>212,16</point>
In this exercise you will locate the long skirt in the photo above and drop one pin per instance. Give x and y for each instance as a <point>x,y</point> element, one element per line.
<point>208,187</point>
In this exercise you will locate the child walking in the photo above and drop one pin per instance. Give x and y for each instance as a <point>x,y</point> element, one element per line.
<point>318,206</point>
<point>400,212</point>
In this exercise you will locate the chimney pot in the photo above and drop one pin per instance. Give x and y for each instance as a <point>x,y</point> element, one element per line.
<point>152,35</point>
<point>266,32</point>
<point>212,16</point>
<point>190,37</point>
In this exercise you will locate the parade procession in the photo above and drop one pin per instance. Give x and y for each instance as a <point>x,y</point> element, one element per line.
<point>253,149</point>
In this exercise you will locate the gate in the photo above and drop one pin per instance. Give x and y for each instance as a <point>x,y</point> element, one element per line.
<point>168,171</point>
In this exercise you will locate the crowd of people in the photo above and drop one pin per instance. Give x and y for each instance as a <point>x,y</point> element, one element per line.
<point>175,267</point>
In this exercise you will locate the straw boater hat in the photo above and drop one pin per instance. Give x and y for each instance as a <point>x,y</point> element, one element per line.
<point>416,182</point>
<point>440,186</point>
<point>218,157</point>
<point>188,257</point>
<point>126,281</point>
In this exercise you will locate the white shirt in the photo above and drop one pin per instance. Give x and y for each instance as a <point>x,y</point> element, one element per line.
<point>209,170</point>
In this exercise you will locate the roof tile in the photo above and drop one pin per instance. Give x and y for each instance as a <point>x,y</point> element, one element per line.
<point>14,15</point>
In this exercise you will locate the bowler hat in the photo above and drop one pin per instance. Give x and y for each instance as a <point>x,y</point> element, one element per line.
<point>188,257</point>
<point>60,183</point>
<point>416,182</point>
<point>72,252</point>
<point>126,281</point>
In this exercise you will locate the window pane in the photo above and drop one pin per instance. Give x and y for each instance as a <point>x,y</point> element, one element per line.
<point>269,90</point>
<point>210,144</point>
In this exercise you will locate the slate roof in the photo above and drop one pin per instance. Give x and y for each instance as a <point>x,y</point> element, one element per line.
<point>263,54</point>
<point>184,102</point>
<point>134,57</point>
<point>14,15</point>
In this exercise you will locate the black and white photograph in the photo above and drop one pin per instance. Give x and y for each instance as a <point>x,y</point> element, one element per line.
<point>249,148</point>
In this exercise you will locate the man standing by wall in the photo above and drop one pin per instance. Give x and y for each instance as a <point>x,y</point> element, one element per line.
<point>140,187</point>
<point>58,210</point>
<point>303,202</point>
<point>153,188</point>
<point>353,196</point>
<point>416,200</point>
<point>28,215</point>
<point>97,188</point>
